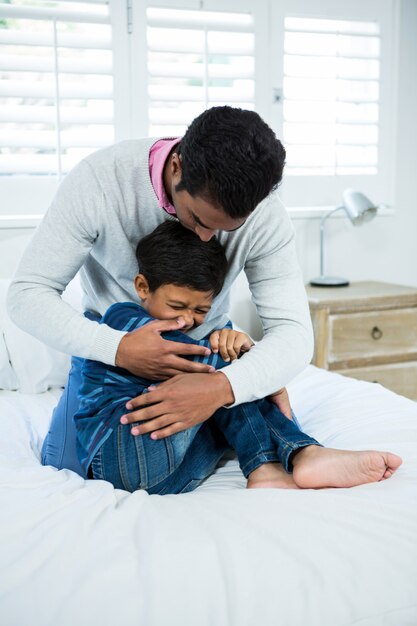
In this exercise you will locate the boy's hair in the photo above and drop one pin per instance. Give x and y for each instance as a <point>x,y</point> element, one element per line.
<point>173,255</point>
<point>230,157</point>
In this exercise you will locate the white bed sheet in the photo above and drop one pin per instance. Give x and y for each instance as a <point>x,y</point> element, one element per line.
<point>81,552</point>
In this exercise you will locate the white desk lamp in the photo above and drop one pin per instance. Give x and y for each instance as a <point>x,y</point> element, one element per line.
<point>359,210</point>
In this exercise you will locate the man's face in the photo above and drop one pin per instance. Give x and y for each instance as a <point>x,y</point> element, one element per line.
<point>195,213</point>
<point>202,217</point>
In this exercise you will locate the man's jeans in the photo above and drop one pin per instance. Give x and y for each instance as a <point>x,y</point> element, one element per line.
<point>257,431</point>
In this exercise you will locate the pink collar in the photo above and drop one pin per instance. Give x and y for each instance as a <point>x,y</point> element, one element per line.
<point>158,155</point>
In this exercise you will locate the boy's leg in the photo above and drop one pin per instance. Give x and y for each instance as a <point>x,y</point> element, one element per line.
<point>285,433</point>
<point>248,434</point>
<point>260,433</point>
<point>59,447</point>
<point>175,464</point>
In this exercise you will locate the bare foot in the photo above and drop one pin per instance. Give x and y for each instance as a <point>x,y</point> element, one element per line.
<point>316,467</point>
<point>270,476</point>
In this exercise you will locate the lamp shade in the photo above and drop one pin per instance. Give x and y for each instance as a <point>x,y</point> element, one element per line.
<point>358,207</point>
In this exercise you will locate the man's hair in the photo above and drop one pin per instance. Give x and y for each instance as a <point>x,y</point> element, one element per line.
<point>230,157</point>
<point>173,255</point>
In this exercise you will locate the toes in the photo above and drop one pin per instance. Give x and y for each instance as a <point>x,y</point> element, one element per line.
<point>388,473</point>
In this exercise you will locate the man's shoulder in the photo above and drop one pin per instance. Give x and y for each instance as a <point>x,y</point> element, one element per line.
<point>127,150</point>
<point>268,222</point>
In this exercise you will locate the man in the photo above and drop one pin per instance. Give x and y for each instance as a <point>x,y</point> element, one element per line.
<point>220,177</point>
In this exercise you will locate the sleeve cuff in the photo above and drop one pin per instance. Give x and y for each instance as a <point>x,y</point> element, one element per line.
<point>106,343</point>
<point>240,383</point>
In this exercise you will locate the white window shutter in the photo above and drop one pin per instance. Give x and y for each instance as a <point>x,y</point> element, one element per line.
<point>333,65</point>
<point>197,58</point>
<point>56,84</point>
<point>331,96</point>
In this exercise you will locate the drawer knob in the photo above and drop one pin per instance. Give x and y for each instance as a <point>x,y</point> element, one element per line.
<point>376,333</point>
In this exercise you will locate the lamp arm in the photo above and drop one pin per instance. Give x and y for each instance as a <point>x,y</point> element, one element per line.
<point>322,223</point>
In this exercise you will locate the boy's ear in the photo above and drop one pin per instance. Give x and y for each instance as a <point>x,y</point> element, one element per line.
<point>141,286</point>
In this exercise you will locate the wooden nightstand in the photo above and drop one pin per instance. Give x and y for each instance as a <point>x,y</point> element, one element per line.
<point>367,331</point>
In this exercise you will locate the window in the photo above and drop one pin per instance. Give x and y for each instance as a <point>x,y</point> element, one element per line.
<point>333,70</point>
<point>331,96</point>
<point>196,59</point>
<point>55,84</point>
<point>77,75</point>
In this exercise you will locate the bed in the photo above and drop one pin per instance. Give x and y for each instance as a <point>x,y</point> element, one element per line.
<point>81,552</point>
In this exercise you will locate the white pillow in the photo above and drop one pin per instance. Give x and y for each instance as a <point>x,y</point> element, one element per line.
<point>35,366</point>
<point>8,379</point>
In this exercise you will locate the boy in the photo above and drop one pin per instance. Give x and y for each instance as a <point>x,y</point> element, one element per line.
<point>179,277</point>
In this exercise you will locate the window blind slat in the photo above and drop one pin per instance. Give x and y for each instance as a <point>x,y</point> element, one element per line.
<point>194,20</point>
<point>46,139</point>
<point>39,163</point>
<point>195,94</point>
<point>197,70</point>
<point>32,63</point>
<point>29,38</point>
<point>28,89</point>
<point>106,2</point>
<point>69,115</point>
<point>174,41</point>
<point>46,13</point>
<point>312,25</point>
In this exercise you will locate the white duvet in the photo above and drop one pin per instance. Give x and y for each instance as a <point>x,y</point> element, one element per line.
<point>77,552</point>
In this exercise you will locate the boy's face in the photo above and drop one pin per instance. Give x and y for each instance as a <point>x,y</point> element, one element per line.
<point>170,302</point>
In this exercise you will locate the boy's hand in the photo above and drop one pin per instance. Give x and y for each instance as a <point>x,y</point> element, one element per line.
<point>230,343</point>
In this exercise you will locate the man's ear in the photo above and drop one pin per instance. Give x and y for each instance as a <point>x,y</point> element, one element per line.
<point>142,287</point>
<point>176,167</point>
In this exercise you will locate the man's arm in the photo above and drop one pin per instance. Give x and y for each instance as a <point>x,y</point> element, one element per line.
<point>169,414</point>
<point>279,295</point>
<point>277,288</point>
<point>56,252</point>
<point>171,410</point>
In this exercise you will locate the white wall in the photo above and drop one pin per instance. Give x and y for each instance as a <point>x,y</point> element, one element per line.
<point>385,249</point>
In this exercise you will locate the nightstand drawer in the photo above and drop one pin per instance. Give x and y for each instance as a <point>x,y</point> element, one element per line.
<point>399,377</point>
<point>357,338</point>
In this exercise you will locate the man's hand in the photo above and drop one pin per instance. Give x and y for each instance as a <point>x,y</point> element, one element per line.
<point>178,404</point>
<point>282,401</point>
<point>145,353</point>
<point>230,343</point>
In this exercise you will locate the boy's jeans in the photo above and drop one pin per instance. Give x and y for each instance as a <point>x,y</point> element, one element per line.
<point>257,431</point>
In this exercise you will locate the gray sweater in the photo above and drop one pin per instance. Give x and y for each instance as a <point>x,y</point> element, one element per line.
<point>101,210</point>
